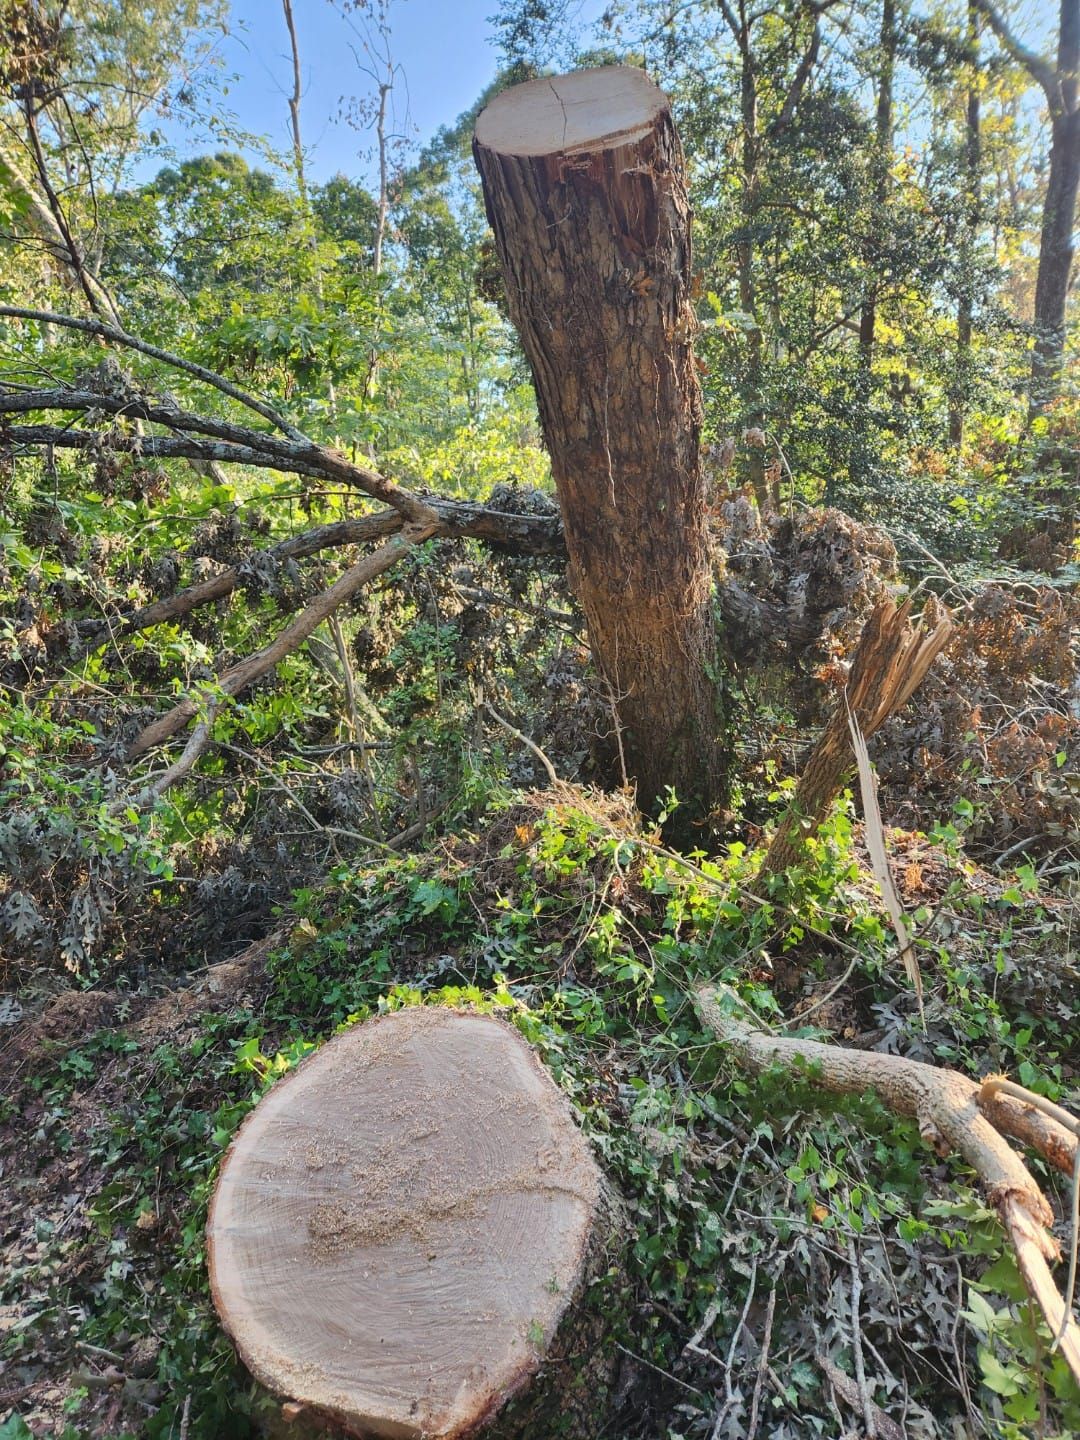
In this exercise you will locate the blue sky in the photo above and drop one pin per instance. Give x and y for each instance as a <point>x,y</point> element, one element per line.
<point>445,48</point>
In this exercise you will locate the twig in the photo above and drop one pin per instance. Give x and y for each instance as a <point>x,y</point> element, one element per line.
<point>713,1309</point>
<point>729,1393</point>
<point>641,1360</point>
<point>197,742</point>
<point>865,1399</point>
<point>763,1365</point>
<point>296,451</point>
<point>531,744</point>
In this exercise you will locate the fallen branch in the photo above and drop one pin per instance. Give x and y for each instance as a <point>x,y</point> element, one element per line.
<point>118,336</point>
<point>529,744</point>
<point>523,534</point>
<point>890,663</point>
<point>235,679</point>
<point>197,742</point>
<point>126,402</point>
<point>749,623</point>
<point>946,1107</point>
<point>1000,1084</point>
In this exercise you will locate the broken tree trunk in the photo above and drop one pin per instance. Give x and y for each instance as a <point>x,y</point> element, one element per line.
<point>584,185</point>
<point>402,1232</point>
<point>889,664</point>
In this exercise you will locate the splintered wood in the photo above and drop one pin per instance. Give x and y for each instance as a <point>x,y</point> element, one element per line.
<point>401,1223</point>
<point>889,664</point>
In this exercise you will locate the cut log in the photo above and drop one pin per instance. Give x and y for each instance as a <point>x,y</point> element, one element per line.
<point>584,185</point>
<point>403,1227</point>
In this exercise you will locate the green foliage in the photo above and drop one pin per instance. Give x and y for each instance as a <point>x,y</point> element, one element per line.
<point>556,911</point>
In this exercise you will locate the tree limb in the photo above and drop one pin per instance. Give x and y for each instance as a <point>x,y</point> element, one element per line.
<point>525,534</point>
<point>53,224</point>
<point>118,336</point>
<point>1040,70</point>
<point>238,676</point>
<point>130,404</point>
<point>798,84</point>
<point>946,1106</point>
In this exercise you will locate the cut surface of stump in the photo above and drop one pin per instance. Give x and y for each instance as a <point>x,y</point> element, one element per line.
<point>585,189</point>
<point>401,1223</point>
<point>587,110</point>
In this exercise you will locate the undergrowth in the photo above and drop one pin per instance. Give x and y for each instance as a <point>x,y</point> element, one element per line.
<point>762,1214</point>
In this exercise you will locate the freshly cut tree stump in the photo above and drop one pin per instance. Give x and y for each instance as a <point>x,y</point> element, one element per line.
<point>403,1228</point>
<point>585,189</point>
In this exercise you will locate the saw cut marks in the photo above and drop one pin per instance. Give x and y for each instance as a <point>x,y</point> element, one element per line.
<point>584,111</point>
<point>400,1224</point>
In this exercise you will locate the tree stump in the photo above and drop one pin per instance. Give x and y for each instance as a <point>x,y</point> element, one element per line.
<point>584,185</point>
<point>404,1229</point>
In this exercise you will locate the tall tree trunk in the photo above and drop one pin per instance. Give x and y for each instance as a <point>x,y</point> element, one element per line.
<point>1059,211</point>
<point>883,133</point>
<point>1061,86</point>
<point>584,184</point>
<point>294,107</point>
<point>748,300</point>
<point>972,209</point>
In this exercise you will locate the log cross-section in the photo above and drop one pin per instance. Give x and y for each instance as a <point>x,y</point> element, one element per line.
<point>584,184</point>
<point>403,1227</point>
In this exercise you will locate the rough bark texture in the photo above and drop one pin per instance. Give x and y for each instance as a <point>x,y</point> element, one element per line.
<point>404,1230</point>
<point>882,165</point>
<point>959,396</point>
<point>594,241</point>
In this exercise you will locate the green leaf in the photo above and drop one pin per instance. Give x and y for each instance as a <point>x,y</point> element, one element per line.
<point>1002,1379</point>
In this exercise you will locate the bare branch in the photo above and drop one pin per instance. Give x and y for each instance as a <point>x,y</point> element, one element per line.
<point>42,221</point>
<point>294,102</point>
<point>97,296</point>
<point>798,84</point>
<point>1040,70</point>
<point>238,676</point>
<point>1054,1142</point>
<point>197,742</point>
<point>945,1104</point>
<point>329,463</point>
<point>132,342</point>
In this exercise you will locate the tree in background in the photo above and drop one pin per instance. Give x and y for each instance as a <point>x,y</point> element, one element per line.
<point>1060,85</point>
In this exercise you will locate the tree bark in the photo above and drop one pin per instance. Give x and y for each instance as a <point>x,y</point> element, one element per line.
<point>958,400</point>
<point>883,138</point>
<point>1060,84</point>
<point>584,185</point>
<point>1059,210</point>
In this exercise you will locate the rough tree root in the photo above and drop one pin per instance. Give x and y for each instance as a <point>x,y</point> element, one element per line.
<point>952,1116</point>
